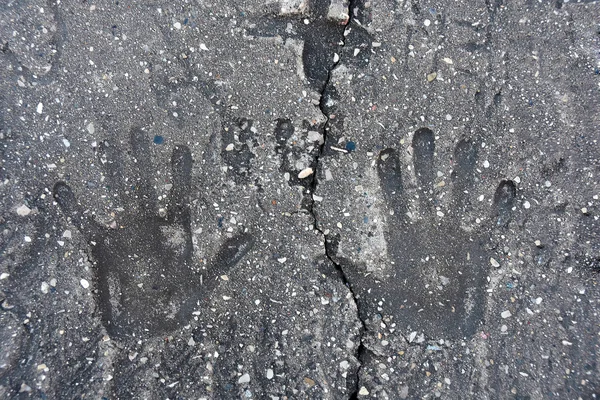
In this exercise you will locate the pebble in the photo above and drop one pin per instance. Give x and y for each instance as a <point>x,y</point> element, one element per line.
<point>486,164</point>
<point>203,47</point>
<point>40,108</point>
<point>526,204</point>
<point>584,211</point>
<point>90,128</point>
<point>66,143</point>
<point>23,210</point>
<point>309,382</point>
<point>494,263</point>
<point>504,328</point>
<point>158,139</point>
<point>363,391</point>
<point>3,276</point>
<point>427,22</point>
<point>177,25</point>
<point>431,77</point>
<point>447,60</point>
<point>45,287</point>
<point>505,314</point>
<point>538,243</point>
<point>282,259</point>
<point>229,147</point>
<point>191,342</point>
<point>244,378</point>
<point>269,373</point>
<point>84,283</point>
<point>305,173</point>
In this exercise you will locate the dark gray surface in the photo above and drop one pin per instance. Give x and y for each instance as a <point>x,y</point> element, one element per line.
<point>162,236</point>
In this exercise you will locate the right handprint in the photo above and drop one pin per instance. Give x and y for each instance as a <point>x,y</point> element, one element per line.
<point>437,277</point>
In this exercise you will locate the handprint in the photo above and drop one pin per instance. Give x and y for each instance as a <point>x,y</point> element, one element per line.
<point>437,279</point>
<point>146,279</point>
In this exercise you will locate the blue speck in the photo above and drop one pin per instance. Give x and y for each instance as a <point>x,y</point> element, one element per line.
<point>350,146</point>
<point>433,348</point>
<point>185,21</point>
<point>366,220</point>
<point>510,285</point>
<point>159,139</point>
<point>220,222</point>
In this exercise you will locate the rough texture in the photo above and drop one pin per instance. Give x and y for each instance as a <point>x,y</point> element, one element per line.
<point>299,199</point>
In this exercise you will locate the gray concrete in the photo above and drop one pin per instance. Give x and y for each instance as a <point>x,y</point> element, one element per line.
<point>296,199</point>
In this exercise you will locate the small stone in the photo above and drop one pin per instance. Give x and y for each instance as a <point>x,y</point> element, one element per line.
<point>427,22</point>
<point>526,204</point>
<point>447,60</point>
<point>90,128</point>
<point>486,164</point>
<point>566,343</point>
<point>3,276</point>
<point>203,47</point>
<point>547,184</point>
<point>585,211</point>
<point>225,277</point>
<point>24,387</point>
<point>505,314</point>
<point>244,378</point>
<point>356,51</point>
<point>503,328</point>
<point>40,108</point>
<point>158,139</point>
<point>309,382</point>
<point>538,300</point>
<point>84,283</point>
<point>42,367</point>
<point>305,173</point>
<point>67,234</point>
<point>132,356</point>
<point>336,57</point>
<point>23,210</point>
<point>191,342</point>
<point>177,25</point>
<point>44,287</point>
<point>494,263</point>
<point>269,373</point>
<point>282,260</point>
<point>538,244</point>
<point>344,364</point>
<point>229,147</point>
<point>66,143</point>
<point>431,77</point>
<point>363,391</point>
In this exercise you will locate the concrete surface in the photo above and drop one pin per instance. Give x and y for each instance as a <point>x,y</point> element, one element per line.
<point>299,199</point>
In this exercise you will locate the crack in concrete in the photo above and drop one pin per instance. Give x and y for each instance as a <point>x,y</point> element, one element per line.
<point>361,350</point>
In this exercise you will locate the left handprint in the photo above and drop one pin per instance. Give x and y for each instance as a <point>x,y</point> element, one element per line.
<point>146,279</point>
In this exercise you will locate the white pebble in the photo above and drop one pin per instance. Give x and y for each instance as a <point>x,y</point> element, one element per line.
<point>538,300</point>
<point>486,164</point>
<point>526,204</point>
<point>505,314</point>
<point>191,342</point>
<point>305,173</point>
<point>547,183</point>
<point>494,263</point>
<point>448,117</point>
<point>67,234</point>
<point>356,51</point>
<point>203,47</point>
<point>3,276</point>
<point>23,210</point>
<point>363,391</point>
<point>90,128</point>
<point>40,108</point>
<point>336,57</point>
<point>503,328</point>
<point>244,378</point>
<point>27,239</point>
<point>229,147</point>
<point>84,283</point>
<point>177,25</point>
<point>427,22</point>
<point>44,288</point>
<point>517,179</point>
<point>66,143</point>
<point>584,210</point>
<point>282,260</point>
<point>269,373</point>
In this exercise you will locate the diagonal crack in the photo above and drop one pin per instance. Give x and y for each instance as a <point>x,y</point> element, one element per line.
<point>360,351</point>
